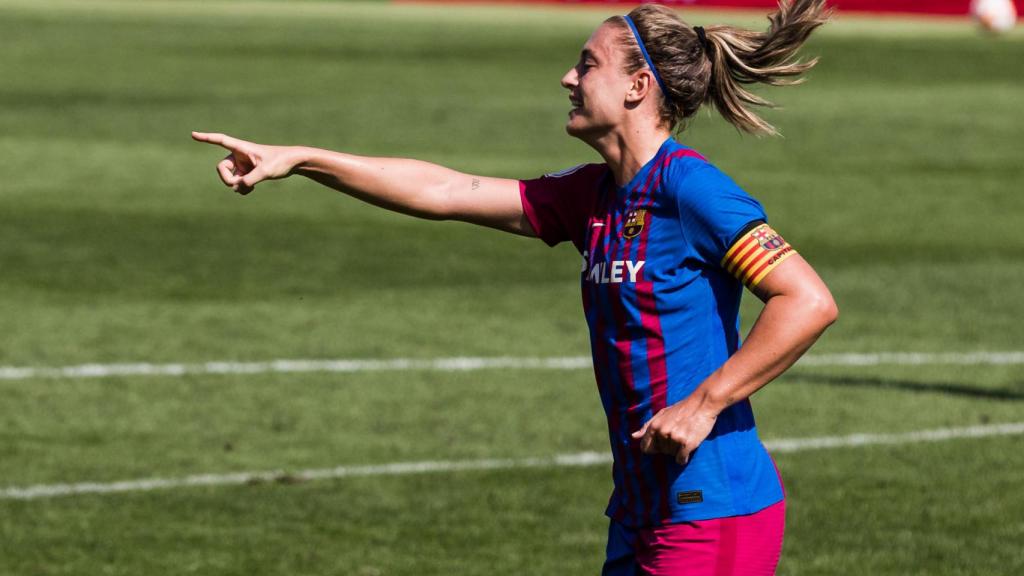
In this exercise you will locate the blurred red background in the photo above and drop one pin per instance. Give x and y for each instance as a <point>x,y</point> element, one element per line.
<point>943,7</point>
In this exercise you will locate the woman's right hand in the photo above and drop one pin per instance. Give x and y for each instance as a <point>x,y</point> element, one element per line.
<point>248,163</point>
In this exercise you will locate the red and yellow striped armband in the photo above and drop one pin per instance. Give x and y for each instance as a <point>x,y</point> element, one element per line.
<point>755,254</point>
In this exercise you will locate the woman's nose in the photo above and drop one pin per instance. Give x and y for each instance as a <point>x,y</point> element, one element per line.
<point>570,79</point>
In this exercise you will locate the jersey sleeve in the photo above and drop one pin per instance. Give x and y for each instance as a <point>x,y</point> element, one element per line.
<point>713,210</point>
<point>725,226</point>
<point>558,205</point>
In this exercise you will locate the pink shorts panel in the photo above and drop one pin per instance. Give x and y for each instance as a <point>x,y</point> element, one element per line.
<point>736,546</point>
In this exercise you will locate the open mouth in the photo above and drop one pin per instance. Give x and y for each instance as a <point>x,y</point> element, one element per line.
<point>576,102</point>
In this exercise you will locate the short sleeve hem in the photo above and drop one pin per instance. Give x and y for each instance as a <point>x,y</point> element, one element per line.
<point>532,217</point>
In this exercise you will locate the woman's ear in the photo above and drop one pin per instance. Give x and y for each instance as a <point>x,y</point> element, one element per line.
<point>640,88</point>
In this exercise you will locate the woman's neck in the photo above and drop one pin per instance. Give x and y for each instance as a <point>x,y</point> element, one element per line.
<point>627,150</point>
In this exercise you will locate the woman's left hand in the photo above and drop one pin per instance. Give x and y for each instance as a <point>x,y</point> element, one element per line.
<point>678,429</point>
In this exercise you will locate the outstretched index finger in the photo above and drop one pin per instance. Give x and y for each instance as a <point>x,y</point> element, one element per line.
<point>222,140</point>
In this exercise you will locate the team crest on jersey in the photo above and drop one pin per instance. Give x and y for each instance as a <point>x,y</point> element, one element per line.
<point>768,239</point>
<point>634,223</point>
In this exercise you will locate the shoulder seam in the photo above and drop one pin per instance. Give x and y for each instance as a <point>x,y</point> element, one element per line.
<point>568,171</point>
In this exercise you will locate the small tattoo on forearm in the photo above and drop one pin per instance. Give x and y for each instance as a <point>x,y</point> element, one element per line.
<point>476,183</point>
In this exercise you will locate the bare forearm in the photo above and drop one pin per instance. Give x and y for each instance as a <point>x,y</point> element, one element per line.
<point>787,327</point>
<point>418,188</point>
<point>408,186</point>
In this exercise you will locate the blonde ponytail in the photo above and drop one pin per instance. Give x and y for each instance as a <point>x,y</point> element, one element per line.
<point>712,65</point>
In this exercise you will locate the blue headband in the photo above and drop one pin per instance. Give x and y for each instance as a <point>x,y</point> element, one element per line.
<point>647,57</point>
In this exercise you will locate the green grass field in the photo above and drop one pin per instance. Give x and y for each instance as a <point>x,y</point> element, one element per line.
<point>899,178</point>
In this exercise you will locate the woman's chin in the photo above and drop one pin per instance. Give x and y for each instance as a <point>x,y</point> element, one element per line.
<point>575,125</point>
<point>579,127</point>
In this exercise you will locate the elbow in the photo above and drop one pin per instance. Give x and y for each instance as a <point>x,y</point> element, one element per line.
<point>433,203</point>
<point>824,309</point>
<point>441,201</point>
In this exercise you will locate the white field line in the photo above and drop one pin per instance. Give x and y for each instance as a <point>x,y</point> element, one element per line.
<point>294,366</point>
<point>915,359</point>
<point>783,445</point>
<point>460,364</point>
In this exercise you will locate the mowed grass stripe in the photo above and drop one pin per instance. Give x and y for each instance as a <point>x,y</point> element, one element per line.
<point>784,445</point>
<point>462,364</point>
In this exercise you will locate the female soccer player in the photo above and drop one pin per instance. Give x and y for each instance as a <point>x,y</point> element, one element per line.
<point>668,243</point>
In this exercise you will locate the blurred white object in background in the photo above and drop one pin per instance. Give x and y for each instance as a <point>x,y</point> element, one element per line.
<point>995,15</point>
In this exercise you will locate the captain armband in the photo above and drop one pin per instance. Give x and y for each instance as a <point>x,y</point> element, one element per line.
<point>756,253</point>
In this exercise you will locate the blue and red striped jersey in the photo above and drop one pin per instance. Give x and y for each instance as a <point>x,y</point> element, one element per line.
<point>662,306</point>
